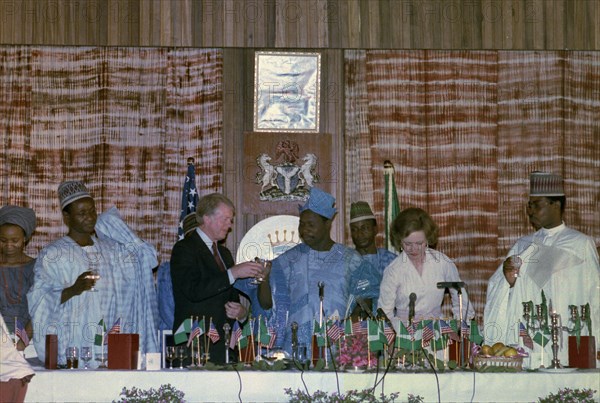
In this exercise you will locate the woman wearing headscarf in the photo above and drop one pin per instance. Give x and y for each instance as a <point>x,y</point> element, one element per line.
<point>17,224</point>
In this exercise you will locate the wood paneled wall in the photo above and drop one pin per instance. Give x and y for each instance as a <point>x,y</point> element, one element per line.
<point>367,24</point>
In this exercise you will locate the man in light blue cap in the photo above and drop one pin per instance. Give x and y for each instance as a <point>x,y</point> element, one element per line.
<point>296,274</point>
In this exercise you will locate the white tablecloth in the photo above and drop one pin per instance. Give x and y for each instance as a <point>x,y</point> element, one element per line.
<point>255,386</point>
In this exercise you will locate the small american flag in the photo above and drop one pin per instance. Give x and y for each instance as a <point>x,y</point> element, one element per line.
<point>527,340</point>
<point>464,329</point>
<point>389,332</point>
<point>236,333</point>
<point>116,327</point>
<point>21,333</point>
<point>196,331</point>
<point>427,334</point>
<point>359,328</point>
<point>446,329</point>
<point>213,334</point>
<point>335,331</point>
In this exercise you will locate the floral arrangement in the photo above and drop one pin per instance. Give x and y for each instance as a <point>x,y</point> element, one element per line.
<point>164,394</point>
<point>568,395</point>
<point>354,352</point>
<point>351,396</point>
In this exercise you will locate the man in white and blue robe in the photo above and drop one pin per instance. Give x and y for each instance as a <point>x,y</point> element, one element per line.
<point>82,279</point>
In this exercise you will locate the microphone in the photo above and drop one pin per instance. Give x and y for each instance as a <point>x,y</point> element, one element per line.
<point>363,305</point>
<point>321,290</point>
<point>412,298</point>
<point>382,315</point>
<point>295,336</point>
<point>451,284</point>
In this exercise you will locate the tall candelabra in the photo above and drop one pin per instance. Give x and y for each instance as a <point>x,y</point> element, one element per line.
<point>555,329</point>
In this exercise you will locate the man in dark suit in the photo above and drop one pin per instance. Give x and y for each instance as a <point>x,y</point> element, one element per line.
<point>203,272</point>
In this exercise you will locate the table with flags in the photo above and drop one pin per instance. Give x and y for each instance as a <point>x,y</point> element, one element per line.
<point>252,385</point>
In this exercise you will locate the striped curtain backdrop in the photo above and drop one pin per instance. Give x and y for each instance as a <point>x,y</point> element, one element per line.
<point>123,120</point>
<point>464,129</point>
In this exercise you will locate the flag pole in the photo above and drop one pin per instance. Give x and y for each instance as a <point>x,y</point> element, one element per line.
<point>391,207</point>
<point>16,337</point>
<point>192,353</point>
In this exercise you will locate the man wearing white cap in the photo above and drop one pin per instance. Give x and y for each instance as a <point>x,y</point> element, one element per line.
<point>297,273</point>
<point>86,277</point>
<point>556,259</point>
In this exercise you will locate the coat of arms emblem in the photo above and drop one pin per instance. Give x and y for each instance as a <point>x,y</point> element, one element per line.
<point>287,177</point>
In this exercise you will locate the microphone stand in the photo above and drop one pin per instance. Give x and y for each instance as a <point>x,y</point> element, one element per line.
<point>226,329</point>
<point>462,338</point>
<point>323,323</point>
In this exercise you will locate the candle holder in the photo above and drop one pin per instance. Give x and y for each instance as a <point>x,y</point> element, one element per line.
<point>574,321</point>
<point>526,313</point>
<point>555,329</point>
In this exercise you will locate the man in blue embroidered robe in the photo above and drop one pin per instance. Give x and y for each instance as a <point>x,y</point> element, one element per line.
<point>292,289</point>
<point>81,279</point>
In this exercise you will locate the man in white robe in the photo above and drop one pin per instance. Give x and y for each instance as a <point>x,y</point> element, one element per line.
<point>81,279</point>
<point>556,259</point>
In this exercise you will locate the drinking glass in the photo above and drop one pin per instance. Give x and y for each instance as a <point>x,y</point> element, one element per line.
<point>95,276</point>
<point>171,354</point>
<point>72,354</point>
<point>86,356</point>
<point>259,279</point>
<point>182,355</point>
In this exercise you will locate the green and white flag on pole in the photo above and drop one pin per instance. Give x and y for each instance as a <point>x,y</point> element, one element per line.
<point>392,206</point>
<point>376,336</point>
<point>100,335</point>
<point>180,335</point>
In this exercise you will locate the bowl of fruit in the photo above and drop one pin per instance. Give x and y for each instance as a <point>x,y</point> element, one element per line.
<point>498,358</point>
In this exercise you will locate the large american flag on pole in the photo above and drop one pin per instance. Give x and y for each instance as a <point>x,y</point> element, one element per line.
<point>189,197</point>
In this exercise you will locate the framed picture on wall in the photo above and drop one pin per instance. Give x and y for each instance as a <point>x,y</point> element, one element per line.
<point>286,91</point>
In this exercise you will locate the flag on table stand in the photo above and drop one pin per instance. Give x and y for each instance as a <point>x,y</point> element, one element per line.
<point>403,340</point>
<point>180,335</point>
<point>196,332</point>
<point>446,329</point>
<point>334,331</point>
<point>464,329</point>
<point>99,338</point>
<point>390,333</point>
<point>348,327</point>
<point>116,327</point>
<point>427,333</point>
<point>189,197</point>
<point>318,331</point>
<point>541,339</point>
<point>264,337</point>
<point>475,336</point>
<point>376,337</point>
<point>20,332</point>
<point>359,328</point>
<point>213,334</point>
<point>392,206</point>
<point>525,336</point>
<point>236,333</point>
